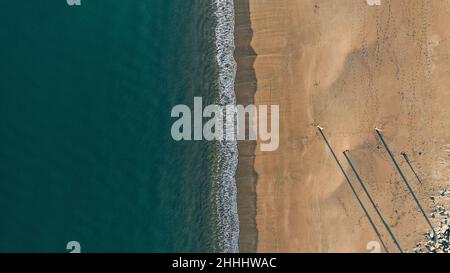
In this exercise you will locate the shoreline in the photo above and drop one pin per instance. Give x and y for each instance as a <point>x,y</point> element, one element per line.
<point>228,217</point>
<point>350,67</point>
<point>245,89</point>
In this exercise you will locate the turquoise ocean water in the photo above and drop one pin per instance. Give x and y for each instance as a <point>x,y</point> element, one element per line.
<point>85,148</point>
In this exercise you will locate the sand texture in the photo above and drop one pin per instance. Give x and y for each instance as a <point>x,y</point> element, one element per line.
<point>350,67</point>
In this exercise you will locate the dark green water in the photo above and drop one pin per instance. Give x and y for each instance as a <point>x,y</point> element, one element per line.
<point>85,146</point>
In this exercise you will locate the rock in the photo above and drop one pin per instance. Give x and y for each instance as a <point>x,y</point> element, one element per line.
<point>437,241</point>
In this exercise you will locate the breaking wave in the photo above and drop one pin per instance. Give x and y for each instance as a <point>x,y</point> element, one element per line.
<point>226,195</point>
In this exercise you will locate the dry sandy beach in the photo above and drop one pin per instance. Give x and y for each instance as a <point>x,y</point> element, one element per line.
<point>350,67</point>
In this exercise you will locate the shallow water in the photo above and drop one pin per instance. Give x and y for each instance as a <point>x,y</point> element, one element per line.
<point>85,146</point>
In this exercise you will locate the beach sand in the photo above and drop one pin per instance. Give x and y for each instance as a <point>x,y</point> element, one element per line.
<point>350,67</point>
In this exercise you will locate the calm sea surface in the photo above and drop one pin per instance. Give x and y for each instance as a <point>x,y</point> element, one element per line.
<point>85,147</point>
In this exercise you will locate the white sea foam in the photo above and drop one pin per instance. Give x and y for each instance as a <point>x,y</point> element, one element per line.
<point>226,199</point>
